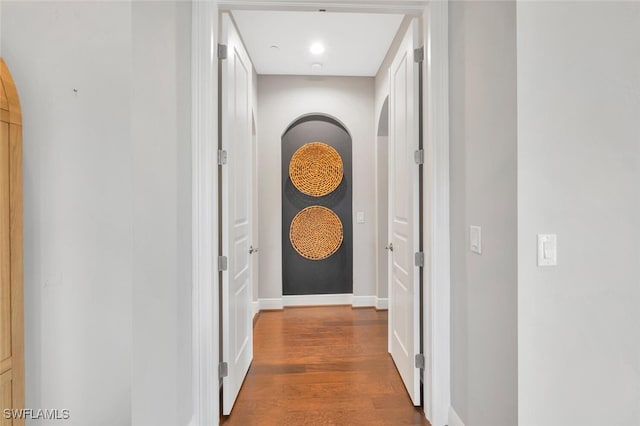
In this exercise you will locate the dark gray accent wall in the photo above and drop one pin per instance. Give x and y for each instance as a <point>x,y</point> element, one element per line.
<point>334,274</point>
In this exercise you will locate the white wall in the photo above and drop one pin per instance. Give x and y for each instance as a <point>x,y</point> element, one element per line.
<point>107,188</point>
<point>78,198</point>
<point>161,151</point>
<point>578,174</point>
<point>482,89</point>
<point>382,77</point>
<point>382,215</point>
<point>255,263</point>
<point>281,100</point>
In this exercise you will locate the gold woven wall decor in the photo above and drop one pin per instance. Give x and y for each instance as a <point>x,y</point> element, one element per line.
<point>316,169</point>
<point>316,233</point>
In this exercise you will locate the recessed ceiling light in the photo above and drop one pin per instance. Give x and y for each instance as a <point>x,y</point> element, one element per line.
<point>316,48</point>
<point>317,66</point>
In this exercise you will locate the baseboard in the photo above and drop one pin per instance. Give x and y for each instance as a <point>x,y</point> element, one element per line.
<point>317,299</point>
<point>363,301</point>
<point>454,419</point>
<point>320,300</point>
<point>270,304</point>
<point>255,305</point>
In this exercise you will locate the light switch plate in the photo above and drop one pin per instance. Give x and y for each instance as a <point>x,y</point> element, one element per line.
<point>475,239</point>
<point>547,249</point>
<point>360,217</point>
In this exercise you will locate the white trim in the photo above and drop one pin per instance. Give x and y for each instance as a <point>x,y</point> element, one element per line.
<point>364,301</point>
<point>437,387</point>
<point>270,304</point>
<point>205,327</point>
<point>409,7</point>
<point>321,300</point>
<point>255,307</point>
<point>317,300</point>
<point>454,419</point>
<point>382,303</point>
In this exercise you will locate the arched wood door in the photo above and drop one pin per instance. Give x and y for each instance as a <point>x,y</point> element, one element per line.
<point>11,272</point>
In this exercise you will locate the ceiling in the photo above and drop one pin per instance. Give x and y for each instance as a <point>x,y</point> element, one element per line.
<point>355,43</point>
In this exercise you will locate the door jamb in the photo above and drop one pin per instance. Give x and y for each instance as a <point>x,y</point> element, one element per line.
<point>437,274</point>
<point>205,299</point>
<point>205,316</point>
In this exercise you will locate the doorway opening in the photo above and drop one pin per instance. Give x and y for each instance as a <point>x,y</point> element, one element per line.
<point>205,18</point>
<point>382,203</point>
<point>254,247</point>
<point>328,214</point>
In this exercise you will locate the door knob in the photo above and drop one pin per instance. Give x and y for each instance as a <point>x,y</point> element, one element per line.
<point>253,250</point>
<point>389,247</point>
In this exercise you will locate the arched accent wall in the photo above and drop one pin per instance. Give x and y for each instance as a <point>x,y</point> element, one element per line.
<point>333,274</point>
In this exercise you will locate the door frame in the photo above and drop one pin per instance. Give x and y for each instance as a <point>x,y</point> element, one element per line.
<point>205,330</point>
<point>205,297</point>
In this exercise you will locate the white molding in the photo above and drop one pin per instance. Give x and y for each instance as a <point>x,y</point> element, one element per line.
<point>270,304</point>
<point>454,419</point>
<point>321,300</point>
<point>205,330</point>
<point>382,303</point>
<point>437,283</point>
<point>364,301</point>
<point>255,307</point>
<point>410,7</point>
<point>317,300</point>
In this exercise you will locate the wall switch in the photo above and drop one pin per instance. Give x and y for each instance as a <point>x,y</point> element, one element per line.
<point>360,217</point>
<point>547,249</point>
<point>475,239</point>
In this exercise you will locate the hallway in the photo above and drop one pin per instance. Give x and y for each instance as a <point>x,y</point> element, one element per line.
<point>323,366</point>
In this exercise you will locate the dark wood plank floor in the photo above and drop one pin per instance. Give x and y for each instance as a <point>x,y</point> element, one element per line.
<point>323,366</point>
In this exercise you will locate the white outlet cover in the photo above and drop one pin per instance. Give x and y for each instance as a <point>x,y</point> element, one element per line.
<point>547,249</point>
<point>475,239</point>
<point>360,217</point>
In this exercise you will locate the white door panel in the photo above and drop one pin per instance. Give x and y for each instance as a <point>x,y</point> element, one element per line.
<point>237,337</point>
<point>404,293</point>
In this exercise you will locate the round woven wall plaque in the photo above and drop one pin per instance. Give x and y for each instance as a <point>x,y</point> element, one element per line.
<point>316,169</point>
<point>316,233</point>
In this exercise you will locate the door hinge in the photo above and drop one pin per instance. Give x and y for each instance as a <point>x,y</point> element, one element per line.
<point>418,54</point>
<point>222,263</point>
<point>222,157</point>
<point>420,361</point>
<point>418,156</point>
<point>419,256</point>
<point>223,370</point>
<point>222,51</point>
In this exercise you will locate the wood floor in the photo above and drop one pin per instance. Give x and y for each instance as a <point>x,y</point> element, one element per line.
<point>323,366</point>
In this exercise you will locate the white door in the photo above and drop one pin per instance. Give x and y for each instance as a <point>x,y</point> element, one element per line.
<point>237,337</point>
<point>404,293</point>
